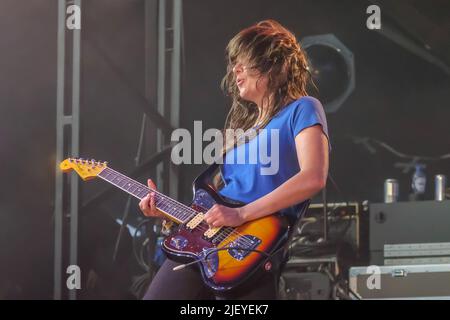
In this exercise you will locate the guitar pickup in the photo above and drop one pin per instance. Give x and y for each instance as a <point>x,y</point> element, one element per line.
<point>211,232</point>
<point>195,221</point>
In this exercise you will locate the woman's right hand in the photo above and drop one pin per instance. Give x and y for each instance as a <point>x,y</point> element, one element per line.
<point>147,204</point>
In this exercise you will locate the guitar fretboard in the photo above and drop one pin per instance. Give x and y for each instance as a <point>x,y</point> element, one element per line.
<point>174,209</point>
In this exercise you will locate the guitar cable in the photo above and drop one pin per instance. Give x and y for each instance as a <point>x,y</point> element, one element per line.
<point>267,255</point>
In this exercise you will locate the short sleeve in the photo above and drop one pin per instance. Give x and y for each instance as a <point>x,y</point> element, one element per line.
<point>307,113</point>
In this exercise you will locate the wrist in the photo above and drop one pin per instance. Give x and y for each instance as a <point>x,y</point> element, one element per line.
<point>244,213</point>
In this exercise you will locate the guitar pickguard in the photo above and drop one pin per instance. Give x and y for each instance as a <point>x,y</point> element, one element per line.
<point>203,200</point>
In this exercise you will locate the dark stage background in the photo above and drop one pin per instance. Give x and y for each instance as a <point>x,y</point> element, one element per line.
<point>399,98</point>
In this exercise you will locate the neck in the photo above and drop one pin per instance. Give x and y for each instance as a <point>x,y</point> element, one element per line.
<point>264,105</point>
<point>172,209</point>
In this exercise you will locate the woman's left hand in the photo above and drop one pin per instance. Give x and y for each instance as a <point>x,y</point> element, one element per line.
<point>220,216</point>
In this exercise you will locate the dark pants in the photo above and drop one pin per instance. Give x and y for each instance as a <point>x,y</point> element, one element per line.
<point>187,284</point>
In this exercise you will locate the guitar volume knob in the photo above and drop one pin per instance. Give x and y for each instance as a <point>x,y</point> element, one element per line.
<point>179,242</point>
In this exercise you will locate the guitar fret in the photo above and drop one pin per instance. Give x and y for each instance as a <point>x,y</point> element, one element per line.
<point>162,202</point>
<point>171,207</point>
<point>113,176</point>
<point>164,207</point>
<point>124,184</point>
<point>143,194</point>
<point>138,192</point>
<point>105,174</point>
<point>132,188</point>
<point>121,183</point>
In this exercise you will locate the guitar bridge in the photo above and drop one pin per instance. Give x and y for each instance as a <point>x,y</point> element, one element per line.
<point>243,246</point>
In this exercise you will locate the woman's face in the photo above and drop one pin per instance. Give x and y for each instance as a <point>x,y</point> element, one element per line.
<point>251,83</point>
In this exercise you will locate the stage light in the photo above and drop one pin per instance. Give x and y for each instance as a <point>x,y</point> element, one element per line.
<point>332,68</point>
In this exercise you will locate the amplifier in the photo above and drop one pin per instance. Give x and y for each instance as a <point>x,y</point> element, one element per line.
<point>308,278</point>
<point>304,286</point>
<point>344,222</point>
<point>406,223</point>
<point>401,282</point>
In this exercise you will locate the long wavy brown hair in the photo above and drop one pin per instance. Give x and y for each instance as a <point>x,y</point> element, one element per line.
<point>272,50</point>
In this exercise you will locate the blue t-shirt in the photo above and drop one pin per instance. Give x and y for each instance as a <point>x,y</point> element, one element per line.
<point>256,168</point>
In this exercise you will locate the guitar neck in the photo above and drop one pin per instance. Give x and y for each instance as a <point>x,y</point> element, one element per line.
<point>173,209</point>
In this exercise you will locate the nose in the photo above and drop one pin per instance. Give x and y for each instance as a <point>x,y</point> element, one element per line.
<point>237,68</point>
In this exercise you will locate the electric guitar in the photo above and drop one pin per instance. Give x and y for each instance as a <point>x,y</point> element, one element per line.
<point>227,256</point>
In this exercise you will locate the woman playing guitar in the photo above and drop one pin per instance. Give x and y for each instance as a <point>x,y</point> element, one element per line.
<point>267,76</point>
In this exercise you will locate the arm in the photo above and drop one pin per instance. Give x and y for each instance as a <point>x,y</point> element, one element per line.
<point>312,150</point>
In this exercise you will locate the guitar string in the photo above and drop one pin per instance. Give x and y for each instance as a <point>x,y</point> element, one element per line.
<point>147,190</point>
<point>176,204</point>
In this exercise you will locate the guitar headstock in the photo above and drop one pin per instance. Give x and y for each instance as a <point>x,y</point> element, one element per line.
<point>86,169</point>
